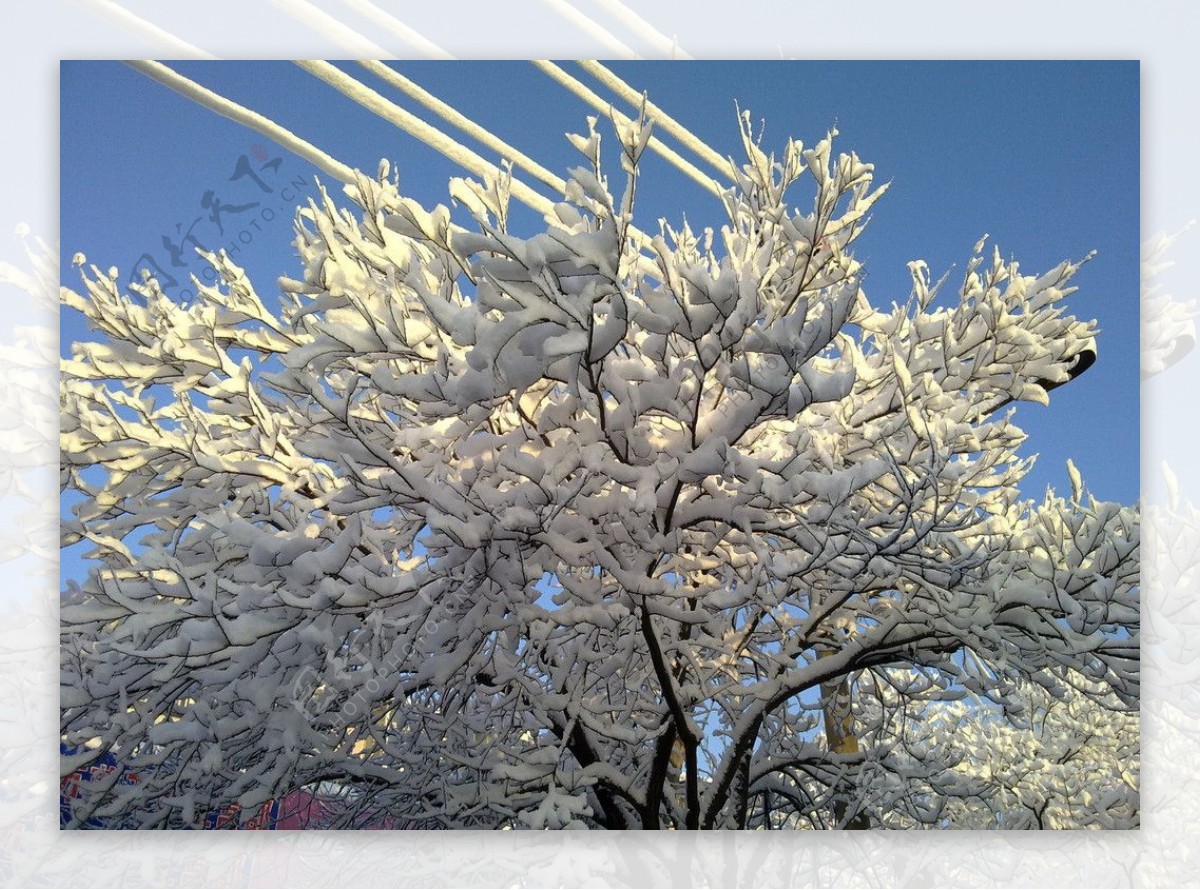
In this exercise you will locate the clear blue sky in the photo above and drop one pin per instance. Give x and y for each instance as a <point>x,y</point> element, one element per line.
<point>1044,156</point>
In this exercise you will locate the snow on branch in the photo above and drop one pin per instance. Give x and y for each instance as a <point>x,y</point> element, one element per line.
<point>584,528</point>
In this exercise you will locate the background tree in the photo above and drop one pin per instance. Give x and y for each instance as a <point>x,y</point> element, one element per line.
<point>1055,756</point>
<point>568,530</point>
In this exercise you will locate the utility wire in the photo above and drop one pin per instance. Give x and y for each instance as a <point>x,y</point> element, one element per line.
<point>561,77</point>
<point>227,108</point>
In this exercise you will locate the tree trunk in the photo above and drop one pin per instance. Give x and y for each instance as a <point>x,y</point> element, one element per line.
<point>838,716</point>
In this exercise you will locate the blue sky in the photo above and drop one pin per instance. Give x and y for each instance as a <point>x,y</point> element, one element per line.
<point>1044,156</point>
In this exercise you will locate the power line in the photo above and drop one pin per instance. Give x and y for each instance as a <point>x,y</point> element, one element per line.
<point>660,117</point>
<point>465,124</point>
<point>561,77</point>
<point>227,108</point>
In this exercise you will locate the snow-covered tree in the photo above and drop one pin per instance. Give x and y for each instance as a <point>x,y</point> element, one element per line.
<point>580,529</point>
